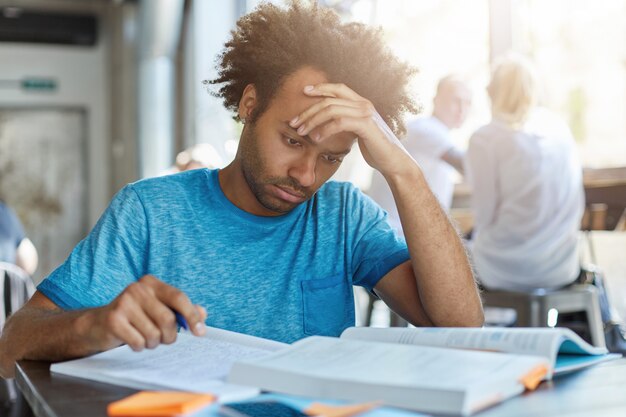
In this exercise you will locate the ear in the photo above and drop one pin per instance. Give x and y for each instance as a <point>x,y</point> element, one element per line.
<point>248,101</point>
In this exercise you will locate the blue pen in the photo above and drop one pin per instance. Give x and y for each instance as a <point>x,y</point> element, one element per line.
<point>180,320</point>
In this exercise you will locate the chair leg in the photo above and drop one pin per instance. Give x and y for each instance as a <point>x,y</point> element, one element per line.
<point>367,321</point>
<point>594,321</point>
<point>525,316</point>
<point>396,321</point>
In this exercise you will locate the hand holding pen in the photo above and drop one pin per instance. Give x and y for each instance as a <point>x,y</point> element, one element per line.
<point>145,315</point>
<point>180,320</point>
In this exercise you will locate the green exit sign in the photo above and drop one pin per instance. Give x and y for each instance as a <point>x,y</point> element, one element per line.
<point>38,84</point>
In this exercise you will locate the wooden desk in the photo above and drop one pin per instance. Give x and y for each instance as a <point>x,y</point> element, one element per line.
<point>61,396</point>
<point>605,200</point>
<point>597,391</point>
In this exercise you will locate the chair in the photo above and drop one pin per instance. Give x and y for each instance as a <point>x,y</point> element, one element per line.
<point>394,319</point>
<point>541,307</point>
<point>16,287</point>
<point>605,197</point>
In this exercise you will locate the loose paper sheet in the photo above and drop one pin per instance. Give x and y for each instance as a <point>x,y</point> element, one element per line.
<point>195,364</point>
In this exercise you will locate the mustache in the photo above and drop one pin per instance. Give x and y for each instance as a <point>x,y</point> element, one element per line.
<point>291,184</point>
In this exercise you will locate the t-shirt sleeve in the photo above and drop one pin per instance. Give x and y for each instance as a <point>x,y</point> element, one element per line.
<point>110,258</point>
<point>377,249</point>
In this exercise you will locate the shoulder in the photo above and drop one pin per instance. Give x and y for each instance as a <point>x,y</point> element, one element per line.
<point>165,193</point>
<point>5,210</point>
<point>170,186</point>
<point>491,134</point>
<point>334,190</point>
<point>8,216</point>
<point>490,130</point>
<point>546,123</point>
<point>427,135</point>
<point>427,126</point>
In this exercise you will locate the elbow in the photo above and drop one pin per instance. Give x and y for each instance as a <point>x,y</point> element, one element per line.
<point>7,368</point>
<point>473,318</point>
<point>477,321</point>
<point>476,318</point>
<point>475,315</point>
<point>10,351</point>
<point>7,362</point>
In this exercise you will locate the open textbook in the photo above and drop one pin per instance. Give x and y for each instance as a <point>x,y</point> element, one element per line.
<point>195,364</point>
<point>440,370</point>
<point>451,371</point>
<point>564,349</point>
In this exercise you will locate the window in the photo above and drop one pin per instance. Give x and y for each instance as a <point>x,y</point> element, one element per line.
<point>439,37</point>
<point>580,50</point>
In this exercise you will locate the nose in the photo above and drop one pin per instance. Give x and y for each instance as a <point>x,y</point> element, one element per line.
<point>303,170</point>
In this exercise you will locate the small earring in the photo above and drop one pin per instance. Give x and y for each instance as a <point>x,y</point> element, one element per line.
<point>243,120</point>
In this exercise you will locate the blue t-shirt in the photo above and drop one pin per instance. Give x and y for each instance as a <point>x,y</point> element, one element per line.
<point>281,278</point>
<point>11,234</point>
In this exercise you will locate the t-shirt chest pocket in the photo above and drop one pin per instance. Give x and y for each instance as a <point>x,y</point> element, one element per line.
<point>328,305</point>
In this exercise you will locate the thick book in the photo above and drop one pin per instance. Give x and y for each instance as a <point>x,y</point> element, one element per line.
<point>564,349</point>
<point>456,371</point>
<point>194,364</point>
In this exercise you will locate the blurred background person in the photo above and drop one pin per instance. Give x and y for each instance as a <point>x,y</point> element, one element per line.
<point>15,247</point>
<point>201,155</point>
<point>429,141</point>
<point>527,191</point>
<point>527,194</point>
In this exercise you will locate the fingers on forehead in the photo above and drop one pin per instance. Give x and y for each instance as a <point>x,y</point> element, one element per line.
<point>337,90</point>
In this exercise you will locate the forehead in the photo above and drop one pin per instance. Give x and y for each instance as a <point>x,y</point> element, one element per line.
<point>290,100</point>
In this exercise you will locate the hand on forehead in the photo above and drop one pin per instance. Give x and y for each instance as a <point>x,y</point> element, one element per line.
<point>291,102</point>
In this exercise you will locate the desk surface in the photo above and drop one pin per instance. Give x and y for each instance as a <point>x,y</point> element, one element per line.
<point>596,391</point>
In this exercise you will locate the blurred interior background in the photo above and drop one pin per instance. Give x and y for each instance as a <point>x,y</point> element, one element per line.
<point>98,93</point>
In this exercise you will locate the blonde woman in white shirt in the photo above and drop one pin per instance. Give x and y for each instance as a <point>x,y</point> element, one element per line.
<point>527,195</point>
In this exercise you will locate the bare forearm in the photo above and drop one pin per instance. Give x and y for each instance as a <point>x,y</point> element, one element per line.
<point>42,334</point>
<point>454,157</point>
<point>141,316</point>
<point>444,277</point>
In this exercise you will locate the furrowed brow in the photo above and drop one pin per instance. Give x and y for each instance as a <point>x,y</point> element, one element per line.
<point>307,138</point>
<point>293,132</point>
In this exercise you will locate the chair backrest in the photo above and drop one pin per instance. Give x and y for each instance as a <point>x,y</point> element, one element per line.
<point>16,288</point>
<point>605,198</point>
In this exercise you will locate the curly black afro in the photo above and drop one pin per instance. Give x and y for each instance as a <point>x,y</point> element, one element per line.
<point>271,43</point>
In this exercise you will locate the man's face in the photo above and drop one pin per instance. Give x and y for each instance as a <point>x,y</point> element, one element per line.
<point>452,104</point>
<point>281,168</point>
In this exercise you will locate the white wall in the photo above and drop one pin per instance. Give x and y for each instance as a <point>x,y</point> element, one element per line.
<point>82,81</point>
<point>206,119</point>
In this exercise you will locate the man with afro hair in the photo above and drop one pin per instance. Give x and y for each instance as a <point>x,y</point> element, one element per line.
<point>266,246</point>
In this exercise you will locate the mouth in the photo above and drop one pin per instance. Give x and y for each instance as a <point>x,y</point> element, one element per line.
<point>287,194</point>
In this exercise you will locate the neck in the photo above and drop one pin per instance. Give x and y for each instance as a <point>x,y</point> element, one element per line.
<point>234,185</point>
<point>236,189</point>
